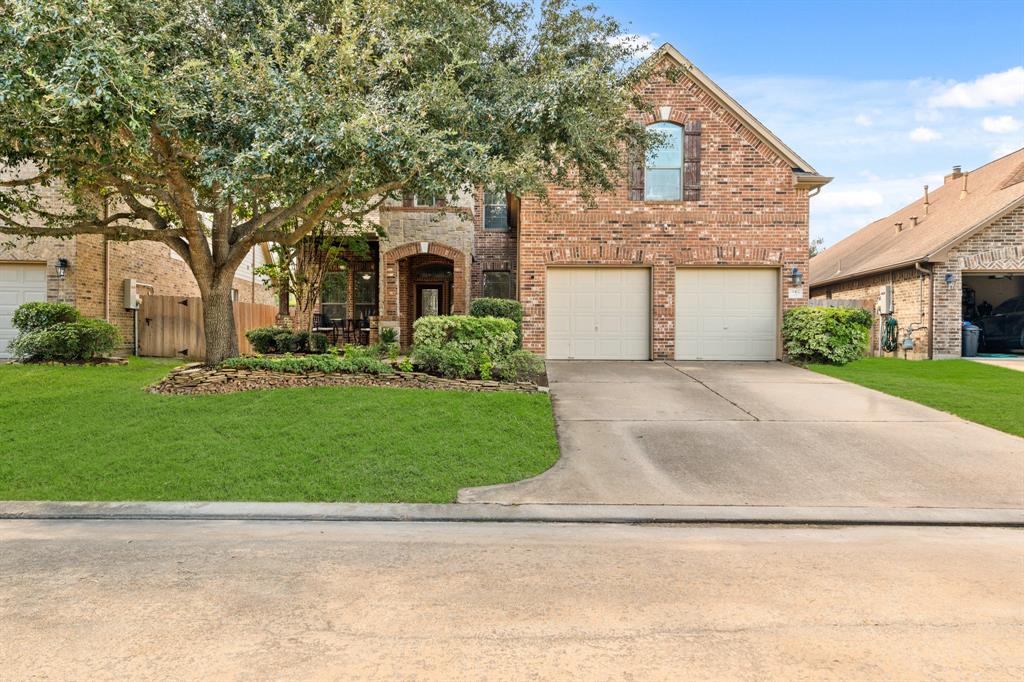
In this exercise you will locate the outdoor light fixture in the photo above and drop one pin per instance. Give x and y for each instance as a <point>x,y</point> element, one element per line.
<point>949,280</point>
<point>62,267</point>
<point>366,275</point>
<point>796,276</point>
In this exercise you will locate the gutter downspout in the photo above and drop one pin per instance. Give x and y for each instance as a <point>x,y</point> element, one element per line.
<point>931,305</point>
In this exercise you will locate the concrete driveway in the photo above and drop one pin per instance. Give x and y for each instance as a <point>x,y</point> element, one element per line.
<point>758,434</point>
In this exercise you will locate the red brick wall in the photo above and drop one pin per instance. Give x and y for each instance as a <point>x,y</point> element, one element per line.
<point>749,213</point>
<point>492,250</point>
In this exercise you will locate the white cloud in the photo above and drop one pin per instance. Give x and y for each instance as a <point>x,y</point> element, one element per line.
<point>1000,124</point>
<point>1005,88</point>
<point>863,120</point>
<point>922,134</point>
<point>1005,148</point>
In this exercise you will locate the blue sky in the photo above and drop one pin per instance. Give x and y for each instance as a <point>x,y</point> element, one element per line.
<point>884,96</point>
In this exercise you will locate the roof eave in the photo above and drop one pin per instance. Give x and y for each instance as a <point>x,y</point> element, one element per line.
<point>811,180</point>
<point>847,276</point>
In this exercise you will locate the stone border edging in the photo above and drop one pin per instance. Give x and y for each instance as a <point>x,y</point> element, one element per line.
<point>500,513</point>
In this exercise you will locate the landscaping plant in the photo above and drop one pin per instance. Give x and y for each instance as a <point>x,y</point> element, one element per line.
<point>826,335</point>
<point>500,307</point>
<point>304,364</point>
<point>56,331</point>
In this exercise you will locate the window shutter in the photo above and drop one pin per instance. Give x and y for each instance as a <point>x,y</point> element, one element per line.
<point>407,199</point>
<point>636,175</point>
<point>512,204</point>
<point>691,161</point>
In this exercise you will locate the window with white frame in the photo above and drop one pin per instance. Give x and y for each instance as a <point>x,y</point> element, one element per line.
<point>663,172</point>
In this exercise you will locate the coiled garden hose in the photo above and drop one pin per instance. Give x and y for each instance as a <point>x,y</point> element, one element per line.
<point>890,334</point>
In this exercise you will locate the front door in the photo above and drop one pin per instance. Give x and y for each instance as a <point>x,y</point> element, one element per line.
<point>428,300</point>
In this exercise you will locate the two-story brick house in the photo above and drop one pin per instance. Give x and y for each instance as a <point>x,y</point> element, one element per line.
<point>696,256</point>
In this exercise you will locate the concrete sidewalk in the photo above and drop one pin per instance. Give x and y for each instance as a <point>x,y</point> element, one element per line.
<point>761,434</point>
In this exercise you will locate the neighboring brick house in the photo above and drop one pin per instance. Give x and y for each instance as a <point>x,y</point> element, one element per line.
<point>954,254</point>
<point>695,257</point>
<point>89,271</point>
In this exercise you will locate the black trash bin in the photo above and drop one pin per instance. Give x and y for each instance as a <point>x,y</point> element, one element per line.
<point>971,334</point>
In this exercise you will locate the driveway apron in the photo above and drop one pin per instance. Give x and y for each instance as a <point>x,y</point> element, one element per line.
<point>720,433</point>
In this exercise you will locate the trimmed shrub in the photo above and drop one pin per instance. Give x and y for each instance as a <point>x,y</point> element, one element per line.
<point>31,317</point>
<point>521,365</point>
<point>505,308</point>
<point>304,364</point>
<point>456,363</point>
<point>277,340</point>
<point>67,341</point>
<point>827,335</point>
<point>317,342</point>
<point>476,336</point>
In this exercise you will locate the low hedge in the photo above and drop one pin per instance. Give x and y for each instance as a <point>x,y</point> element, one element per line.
<point>279,340</point>
<point>826,335</point>
<point>500,307</point>
<point>31,317</point>
<point>67,341</point>
<point>476,336</point>
<point>304,364</point>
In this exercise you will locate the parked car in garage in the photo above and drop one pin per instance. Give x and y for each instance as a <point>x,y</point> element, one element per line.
<point>1004,326</point>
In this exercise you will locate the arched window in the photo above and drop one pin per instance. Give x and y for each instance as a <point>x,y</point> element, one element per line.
<point>663,172</point>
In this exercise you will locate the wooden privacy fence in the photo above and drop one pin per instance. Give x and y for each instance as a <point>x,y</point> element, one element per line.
<point>172,326</point>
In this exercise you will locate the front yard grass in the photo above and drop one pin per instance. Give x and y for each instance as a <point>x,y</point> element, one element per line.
<point>993,396</point>
<point>92,433</point>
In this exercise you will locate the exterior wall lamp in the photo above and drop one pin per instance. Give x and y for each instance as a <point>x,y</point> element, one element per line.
<point>796,277</point>
<point>62,267</point>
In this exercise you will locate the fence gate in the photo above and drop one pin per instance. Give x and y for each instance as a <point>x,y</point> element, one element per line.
<point>172,326</point>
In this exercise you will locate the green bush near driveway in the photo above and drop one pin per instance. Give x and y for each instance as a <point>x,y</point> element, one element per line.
<point>826,335</point>
<point>491,336</point>
<point>56,331</point>
<point>500,307</point>
<point>90,432</point>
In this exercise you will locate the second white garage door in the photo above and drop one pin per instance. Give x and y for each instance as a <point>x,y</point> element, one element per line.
<point>727,313</point>
<point>598,314</point>
<point>19,283</point>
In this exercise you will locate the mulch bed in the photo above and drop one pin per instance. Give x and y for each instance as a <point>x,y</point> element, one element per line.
<point>198,379</point>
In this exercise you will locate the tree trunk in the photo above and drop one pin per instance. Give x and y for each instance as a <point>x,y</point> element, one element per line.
<point>219,320</point>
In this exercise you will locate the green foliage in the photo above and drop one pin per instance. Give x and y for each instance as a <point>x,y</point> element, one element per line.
<point>826,335</point>
<point>388,335</point>
<point>521,365</point>
<point>304,364</point>
<point>67,341</point>
<point>476,336</point>
<point>500,307</point>
<point>486,367</point>
<point>405,365</point>
<point>30,317</point>
<point>456,363</point>
<point>278,340</point>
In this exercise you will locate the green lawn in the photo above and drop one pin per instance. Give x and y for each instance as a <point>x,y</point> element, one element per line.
<point>993,396</point>
<point>92,433</point>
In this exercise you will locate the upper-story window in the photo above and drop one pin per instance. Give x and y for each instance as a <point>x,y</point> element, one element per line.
<point>495,210</point>
<point>427,201</point>
<point>663,172</point>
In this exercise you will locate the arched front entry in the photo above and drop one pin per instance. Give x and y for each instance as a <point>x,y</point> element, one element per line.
<point>422,278</point>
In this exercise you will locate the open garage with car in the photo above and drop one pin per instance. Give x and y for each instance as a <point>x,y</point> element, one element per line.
<point>994,302</point>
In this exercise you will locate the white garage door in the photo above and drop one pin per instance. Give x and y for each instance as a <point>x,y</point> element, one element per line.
<point>19,283</point>
<point>726,313</point>
<point>598,314</point>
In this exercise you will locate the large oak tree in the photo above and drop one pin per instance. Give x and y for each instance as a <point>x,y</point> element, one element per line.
<point>215,125</point>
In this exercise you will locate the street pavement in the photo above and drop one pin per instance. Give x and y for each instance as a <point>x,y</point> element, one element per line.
<point>269,600</point>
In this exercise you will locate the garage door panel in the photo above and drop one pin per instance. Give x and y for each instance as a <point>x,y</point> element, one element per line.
<point>607,316</point>
<point>726,313</point>
<point>19,283</point>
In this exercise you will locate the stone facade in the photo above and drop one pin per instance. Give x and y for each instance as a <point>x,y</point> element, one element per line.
<point>931,300</point>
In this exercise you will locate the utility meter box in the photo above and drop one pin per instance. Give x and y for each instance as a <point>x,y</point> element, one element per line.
<point>885,300</point>
<point>131,297</point>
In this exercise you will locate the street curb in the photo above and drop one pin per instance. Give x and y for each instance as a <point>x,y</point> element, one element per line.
<point>520,513</point>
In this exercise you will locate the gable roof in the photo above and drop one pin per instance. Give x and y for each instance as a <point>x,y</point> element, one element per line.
<point>805,173</point>
<point>993,190</point>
